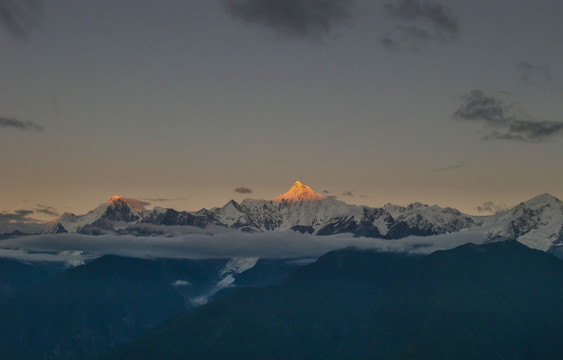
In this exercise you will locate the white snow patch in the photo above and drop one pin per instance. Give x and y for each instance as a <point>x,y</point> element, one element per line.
<point>227,278</point>
<point>181,283</point>
<point>238,265</point>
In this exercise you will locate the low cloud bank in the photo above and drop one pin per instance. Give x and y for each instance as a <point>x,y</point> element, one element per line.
<point>71,258</point>
<point>264,245</point>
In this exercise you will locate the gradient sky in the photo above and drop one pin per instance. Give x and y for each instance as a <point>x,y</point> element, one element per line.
<point>178,103</point>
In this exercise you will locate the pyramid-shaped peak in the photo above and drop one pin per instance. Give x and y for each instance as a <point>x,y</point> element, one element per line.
<point>299,192</point>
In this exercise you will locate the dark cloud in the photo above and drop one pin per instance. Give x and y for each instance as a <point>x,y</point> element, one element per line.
<point>534,73</point>
<point>431,11</point>
<point>477,106</point>
<point>243,190</point>
<point>18,215</point>
<point>348,193</point>
<point>20,220</point>
<point>491,207</point>
<point>534,130</point>
<point>47,210</point>
<point>420,23</point>
<point>389,43</point>
<point>305,19</point>
<point>495,113</point>
<point>13,123</point>
<point>19,17</point>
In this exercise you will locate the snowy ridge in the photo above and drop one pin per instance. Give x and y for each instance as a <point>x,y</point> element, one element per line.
<point>431,219</point>
<point>283,215</point>
<point>115,210</point>
<point>537,222</point>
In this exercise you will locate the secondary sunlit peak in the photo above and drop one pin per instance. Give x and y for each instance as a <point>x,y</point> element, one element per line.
<point>132,203</point>
<point>116,199</point>
<point>299,192</point>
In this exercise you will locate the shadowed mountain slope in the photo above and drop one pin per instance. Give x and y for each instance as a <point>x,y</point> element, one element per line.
<point>500,300</point>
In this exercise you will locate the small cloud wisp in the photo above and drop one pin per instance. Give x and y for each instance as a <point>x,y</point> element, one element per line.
<point>534,74</point>
<point>243,190</point>
<point>420,23</point>
<point>13,123</point>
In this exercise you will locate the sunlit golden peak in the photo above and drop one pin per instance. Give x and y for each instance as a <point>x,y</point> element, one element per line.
<point>299,192</point>
<point>116,199</point>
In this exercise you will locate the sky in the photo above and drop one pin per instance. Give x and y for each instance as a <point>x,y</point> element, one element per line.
<point>188,104</point>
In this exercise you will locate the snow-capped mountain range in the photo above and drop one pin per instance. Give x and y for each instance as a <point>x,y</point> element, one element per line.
<point>537,223</point>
